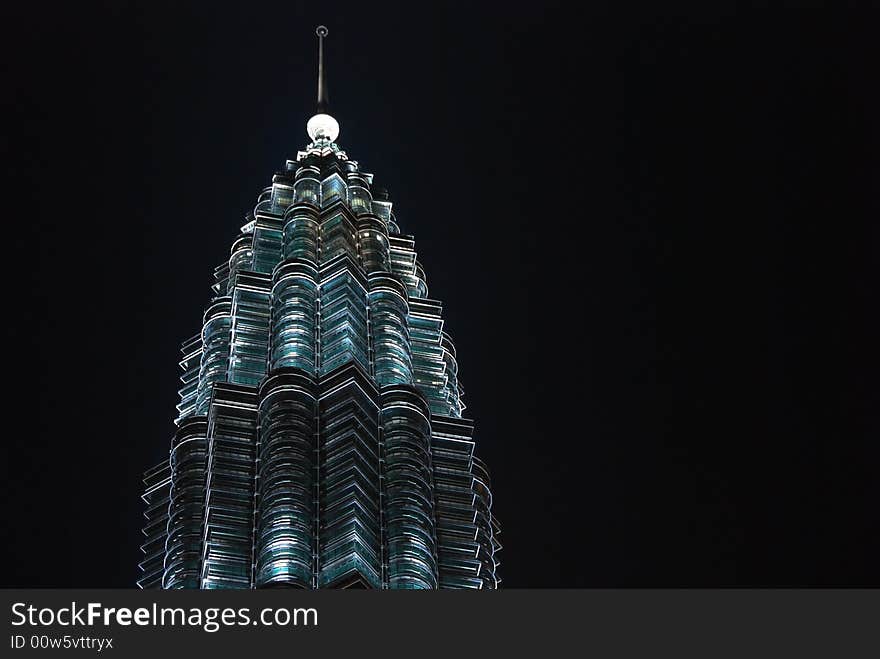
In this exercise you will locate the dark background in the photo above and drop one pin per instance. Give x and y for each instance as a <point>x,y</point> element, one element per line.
<point>653,228</point>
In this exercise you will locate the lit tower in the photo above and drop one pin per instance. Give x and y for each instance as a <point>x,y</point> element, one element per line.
<point>320,441</point>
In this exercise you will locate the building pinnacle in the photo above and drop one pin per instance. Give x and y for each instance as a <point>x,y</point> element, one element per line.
<point>322,127</point>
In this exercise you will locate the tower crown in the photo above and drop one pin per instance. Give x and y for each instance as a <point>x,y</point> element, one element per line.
<point>320,441</point>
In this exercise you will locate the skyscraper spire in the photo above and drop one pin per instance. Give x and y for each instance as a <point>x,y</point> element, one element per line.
<point>322,127</point>
<point>322,32</point>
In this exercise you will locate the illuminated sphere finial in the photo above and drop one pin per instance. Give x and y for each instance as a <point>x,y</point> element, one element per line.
<point>322,31</point>
<point>323,127</point>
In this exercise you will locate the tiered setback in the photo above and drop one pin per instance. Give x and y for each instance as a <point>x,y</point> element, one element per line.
<point>320,442</point>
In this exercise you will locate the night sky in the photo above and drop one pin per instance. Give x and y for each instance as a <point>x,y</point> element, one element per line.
<point>653,228</point>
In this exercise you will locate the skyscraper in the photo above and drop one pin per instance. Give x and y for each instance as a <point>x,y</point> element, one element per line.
<point>320,441</point>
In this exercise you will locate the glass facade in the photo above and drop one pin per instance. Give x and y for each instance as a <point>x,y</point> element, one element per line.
<point>320,441</point>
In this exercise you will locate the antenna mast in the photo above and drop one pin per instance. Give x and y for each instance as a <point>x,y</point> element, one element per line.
<point>322,32</point>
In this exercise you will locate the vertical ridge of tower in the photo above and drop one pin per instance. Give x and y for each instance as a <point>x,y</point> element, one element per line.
<point>320,440</point>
